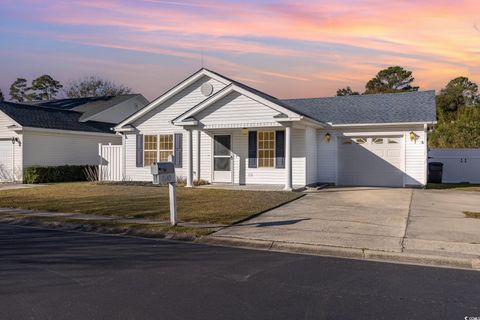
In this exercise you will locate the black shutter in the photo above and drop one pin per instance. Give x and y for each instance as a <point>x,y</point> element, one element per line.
<point>252,149</point>
<point>178,150</point>
<point>139,160</point>
<point>280,149</point>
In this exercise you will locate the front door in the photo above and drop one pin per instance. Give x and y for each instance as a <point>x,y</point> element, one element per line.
<point>222,158</point>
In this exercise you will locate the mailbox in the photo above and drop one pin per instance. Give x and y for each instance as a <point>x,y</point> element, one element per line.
<point>163,172</point>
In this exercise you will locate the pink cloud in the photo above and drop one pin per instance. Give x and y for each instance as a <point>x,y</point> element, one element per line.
<point>434,38</point>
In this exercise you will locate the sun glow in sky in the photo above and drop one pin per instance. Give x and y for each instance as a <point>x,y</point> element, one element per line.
<point>287,48</point>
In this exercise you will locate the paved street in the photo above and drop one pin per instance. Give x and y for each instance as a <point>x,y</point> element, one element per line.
<point>65,275</point>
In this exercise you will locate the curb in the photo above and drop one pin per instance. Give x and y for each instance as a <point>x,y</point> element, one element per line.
<point>340,252</point>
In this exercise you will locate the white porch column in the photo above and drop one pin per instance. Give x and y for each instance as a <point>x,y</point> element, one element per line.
<point>190,159</point>
<point>288,158</point>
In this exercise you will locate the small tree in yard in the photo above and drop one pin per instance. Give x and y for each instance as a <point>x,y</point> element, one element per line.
<point>346,92</point>
<point>95,87</point>
<point>2,98</point>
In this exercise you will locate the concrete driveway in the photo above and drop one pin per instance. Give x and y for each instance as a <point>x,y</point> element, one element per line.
<point>392,220</point>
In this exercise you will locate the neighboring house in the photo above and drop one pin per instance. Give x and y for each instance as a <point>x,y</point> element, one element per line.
<point>111,109</point>
<point>59,132</point>
<point>223,131</point>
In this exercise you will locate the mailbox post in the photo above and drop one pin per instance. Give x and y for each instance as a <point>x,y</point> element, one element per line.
<point>164,172</point>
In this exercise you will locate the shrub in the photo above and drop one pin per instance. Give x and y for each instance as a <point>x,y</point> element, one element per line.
<point>46,174</point>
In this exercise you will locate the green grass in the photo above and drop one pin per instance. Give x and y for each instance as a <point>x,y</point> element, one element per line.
<point>471,214</point>
<point>454,186</point>
<point>127,201</point>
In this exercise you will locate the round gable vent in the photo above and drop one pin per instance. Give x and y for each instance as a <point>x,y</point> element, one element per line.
<point>206,89</point>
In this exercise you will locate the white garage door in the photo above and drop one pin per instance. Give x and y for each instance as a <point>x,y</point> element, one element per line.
<point>370,161</point>
<point>6,161</point>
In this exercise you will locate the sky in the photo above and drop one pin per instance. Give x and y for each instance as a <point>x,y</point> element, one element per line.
<point>287,48</point>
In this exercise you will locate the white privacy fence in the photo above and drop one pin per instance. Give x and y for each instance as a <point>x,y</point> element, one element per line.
<point>111,162</point>
<point>459,165</point>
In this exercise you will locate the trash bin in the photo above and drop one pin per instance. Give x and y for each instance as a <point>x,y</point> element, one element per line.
<point>435,170</point>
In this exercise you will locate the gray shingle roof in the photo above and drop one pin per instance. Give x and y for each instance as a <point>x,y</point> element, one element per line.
<point>85,104</point>
<point>373,108</point>
<point>51,118</point>
<point>416,106</point>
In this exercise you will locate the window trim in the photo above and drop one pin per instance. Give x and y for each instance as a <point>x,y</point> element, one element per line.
<point>159,143</point>
<point>158,150</point>
<point>274,149</point>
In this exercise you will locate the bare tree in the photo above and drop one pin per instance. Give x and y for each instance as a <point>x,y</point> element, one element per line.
<point>93,86</point>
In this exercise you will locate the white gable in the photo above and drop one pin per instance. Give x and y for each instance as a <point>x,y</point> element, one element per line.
<point>237,110</point>
<point>159,119</point>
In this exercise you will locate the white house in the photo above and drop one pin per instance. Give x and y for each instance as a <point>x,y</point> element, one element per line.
<point>223,131</point>
<point>59,132</point>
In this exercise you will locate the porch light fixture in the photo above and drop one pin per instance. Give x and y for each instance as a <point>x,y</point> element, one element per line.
<point>328,137</point>
<point>244,131</point>
<point>414,136</point>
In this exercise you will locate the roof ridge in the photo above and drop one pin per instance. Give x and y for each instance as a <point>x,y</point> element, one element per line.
<point>111,96</point>
<point>34,106</point>
<point>363,95</point>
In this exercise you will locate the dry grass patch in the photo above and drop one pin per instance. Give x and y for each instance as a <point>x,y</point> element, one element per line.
<point>470,214</point>
<point>454,186</point>
<point>198,205</point>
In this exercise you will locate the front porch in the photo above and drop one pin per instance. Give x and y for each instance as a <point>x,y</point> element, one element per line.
<point>241,157</point>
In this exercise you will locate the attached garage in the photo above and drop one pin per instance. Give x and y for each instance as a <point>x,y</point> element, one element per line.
<point>370,161</point>
<point>6,161</point>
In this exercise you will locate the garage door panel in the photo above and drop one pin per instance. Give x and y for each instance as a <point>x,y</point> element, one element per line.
<point>6,169</point>
<point>374,162</point>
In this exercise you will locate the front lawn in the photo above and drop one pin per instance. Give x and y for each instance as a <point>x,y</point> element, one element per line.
<point>193,204</point>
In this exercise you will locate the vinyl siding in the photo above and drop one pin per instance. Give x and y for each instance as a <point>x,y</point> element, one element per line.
<point>158,121</point>
<point>311,155</point>
<point>236,110</point>
<point>326,157</point>
<point>7,134</point>
<point>415,159</point>
<point>55,149</point>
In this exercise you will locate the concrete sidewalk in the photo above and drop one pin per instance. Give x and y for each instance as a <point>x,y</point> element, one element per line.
<point>420,226</point>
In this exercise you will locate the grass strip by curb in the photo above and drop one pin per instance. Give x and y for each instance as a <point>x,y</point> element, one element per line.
<point>161,231</point>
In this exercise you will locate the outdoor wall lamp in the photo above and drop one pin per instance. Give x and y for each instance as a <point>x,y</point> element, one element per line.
<point>328,137</point>
<point>414,136</point>
<point>15,139</point>
<point>244,131</point>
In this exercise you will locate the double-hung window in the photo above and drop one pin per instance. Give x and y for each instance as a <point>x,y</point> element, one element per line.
<point>157,148</point>
<point>165,146</point>
<point>150,146</point>
<point>266,149</point>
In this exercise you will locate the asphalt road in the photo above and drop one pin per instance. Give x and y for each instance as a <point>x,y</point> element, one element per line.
<point>48,274</point>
